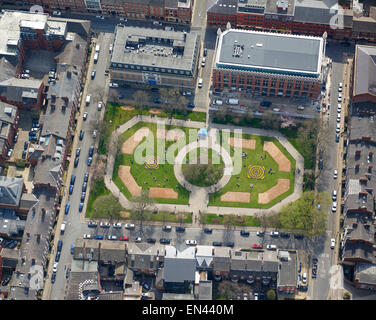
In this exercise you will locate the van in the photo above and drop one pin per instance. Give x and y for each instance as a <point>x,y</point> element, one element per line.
<point>88,98</point>
<point>97,48</point>
<point>233,102</point>
<point>200,83</point>
<point>96,57</point>
<point>62,228</point>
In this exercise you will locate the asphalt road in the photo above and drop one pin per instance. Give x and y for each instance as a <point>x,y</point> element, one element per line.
<point>74,227</point>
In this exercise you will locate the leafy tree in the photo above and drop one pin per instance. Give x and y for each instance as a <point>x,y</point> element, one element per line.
<point>106,206</point>
<point>270,295</point>
<point>269,120</point>
<point>141,98</point>
<point>307,215</point>
<point>140,206</point>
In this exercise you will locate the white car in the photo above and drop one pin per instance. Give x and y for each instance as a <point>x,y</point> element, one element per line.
<point>56,13</point>
<point>304,277</point>
<point>338,128</point>
<point>334,195</point>
<point>338,117</point>
<point>129,226</point>
<point>335,174</point>
<point>190,242</point>
<point>271,247</point>
<point>138,239</point>
<point>10,152</point>
<point>339,98</point>
<point>124,19</point>
<point>100,104</point>
<point>274,234</point>
<point>117,225</point>
<point>339,107</point>
<point>187,93</point>
<point>340,87</point>
<point>334,206</point>
<point>332,243</point>
<point>85,116</point>
<point>112,237</point>
<point>100,17</point>
<point>260,233</point>
<point>94,133</point>
<point>114,85</point>
<point>87,236</point>
<point>105,224</point>
<point>54,268</point>
<point>276,109</point>
<point>111,47</point>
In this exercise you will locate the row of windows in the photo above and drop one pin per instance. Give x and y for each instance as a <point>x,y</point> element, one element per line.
<point>153,69</point>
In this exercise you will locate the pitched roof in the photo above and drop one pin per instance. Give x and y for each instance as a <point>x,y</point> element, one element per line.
<point>10,190</point>
<point>365,273</point>
<point>365,70</point>
<point>179,264</point>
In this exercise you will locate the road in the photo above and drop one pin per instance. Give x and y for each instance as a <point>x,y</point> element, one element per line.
<point>320,287</point>
<point>74,225</point>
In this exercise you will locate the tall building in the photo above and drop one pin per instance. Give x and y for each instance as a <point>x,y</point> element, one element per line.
<point>269,64</point>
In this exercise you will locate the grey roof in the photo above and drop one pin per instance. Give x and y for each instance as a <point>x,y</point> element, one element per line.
<point>365,70</point>
<point>226,7</point>
<point>144,255</point>
<point>269,52</point>
<point>238,260</point>
<point>7,112</point>
<point>10,190</point>
<point>359,226</point>
<point>254,260</point>
<point>205,290</point>
<point>28,200</point>
<point>73,53</point>
<point>177,296</point>
<point>13,89</point>
<point>364,24</point>
<point>365,273</point>
<point>358,251</point>
<point>315,11</point>
<point>100,250</point>
<point>8,68</point>
<point>117,295</point>
<point>179,264</point>
<point>221,259</point>
<point>288,272</point>
<point>10,223</point>
<point>185,62</point>
<point>272,7</point>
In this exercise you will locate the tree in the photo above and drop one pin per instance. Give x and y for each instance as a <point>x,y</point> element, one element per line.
<point>106,206</point>
<point>229,222</point>
<point>99,93</point>
<point>202,218</point>
<point>307,215</point>
<point>140,206</point>
<point>181,104</point>
<point>113,96</point>
<point>268,120</point>
<point>271,295</point>
<point>165,95</point>
<point>140,98</point>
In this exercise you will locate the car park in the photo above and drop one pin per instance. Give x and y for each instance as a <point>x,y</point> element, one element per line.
<point>92,224</point>
<point>129,226</point>
<point>124,238</point>
<point>105,224</point>
<point>191,242</point>
<point>150,240</point>
<point>257,246</point>
<point>117,225</point>
<point>244,233</point>
<point>217,243</point>
<point>271,247</point>
<point>112,237</point>
<point>164,241</point>
<point>274,234</point>
<point>208,230</point>
<point>332,243</point>
<point>335,174</point>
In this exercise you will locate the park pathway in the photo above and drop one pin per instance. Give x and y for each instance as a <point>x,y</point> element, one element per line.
<point>199,197</point>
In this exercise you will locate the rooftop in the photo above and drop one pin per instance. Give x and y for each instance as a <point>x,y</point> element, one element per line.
<point>10,190</point>
<point>270,52</point>
<point>315,11</point>
<point>365,70</point>
<point>288,270</point>
<point>366,273</point>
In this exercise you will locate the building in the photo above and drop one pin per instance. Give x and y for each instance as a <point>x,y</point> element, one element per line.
<point>269,64</point>
<point>176,11</point>
<point>221,263</point>
<point>145,257</point>
<point>155,57</point>
<point>308,17</point>
<point>9,117</point>
<point>288,272</point>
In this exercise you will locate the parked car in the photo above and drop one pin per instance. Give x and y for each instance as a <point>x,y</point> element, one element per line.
<point>260,233</point>
<point>53,278</point>
<point>191,242</point>
<point>335,174</point>
<point>257,246</point>
<point>166,228</point>
<point>138,239</point>
<point>271,247</point>
<point>100,105</point>
<point>334,195</point>
<point>94,133</point>
<point>86,177</point>
<point>230,244</point>
<point>92,224</point>
<point>332,243</point>
<point>187,93</point>
<point>89,161</point>
<point>205,52</point>
<point>217,243</point>
<point>180,229</point>
<point>150,240</point>
<point>91,151</point>
<point>6,281</point>
<point>157,100</point>
<point>114,85</point>
<point>98,237</point>
<point>304,277</point>
<point>85,116</point>
<point>71,189</point>
<point>190,105</point>
<point>338,117</point>
<point>129,226</point>
<point>83,194</point>
<point>84,187</point>
<point>334,206</point>
<point>72,249</point>
<point>81,134</point>
<point>67,273</point>
<point>26,144</point>
<point>104,224</point>
<point>337,137</point>
<point>208,230</point>
<point>112,237</point>
<point>54,268</point>
<point>73,179</point>
<point>76,160</point>
<point>164,241</point>
<point>274,234</point>
<point>244,233</point>
<point>56,13</point>
<point>80,206</point>
<point>124,238</point>
<point>117,225</point>
<point>285,235</point>
<point>67,206</point>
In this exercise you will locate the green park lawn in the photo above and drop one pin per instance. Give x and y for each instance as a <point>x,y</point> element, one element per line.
<point>241,182</point>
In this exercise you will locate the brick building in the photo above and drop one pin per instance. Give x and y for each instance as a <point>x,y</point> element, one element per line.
<point>311,17</point>
<point>156,57</point>
<point>269,64</point>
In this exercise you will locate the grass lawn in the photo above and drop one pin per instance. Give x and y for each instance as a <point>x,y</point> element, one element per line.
<point>162,177</point>
<point>97,189</point>
<point>241,182</point>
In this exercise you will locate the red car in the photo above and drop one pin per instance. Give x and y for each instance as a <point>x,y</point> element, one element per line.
<point>257,246</point>
<point>124,238</point>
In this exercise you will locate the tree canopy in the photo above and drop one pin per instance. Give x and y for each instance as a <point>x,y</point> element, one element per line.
<point>307,215</point>
<point>107,206</point>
